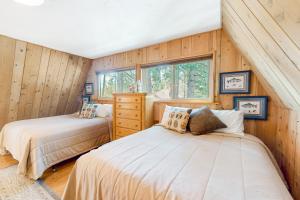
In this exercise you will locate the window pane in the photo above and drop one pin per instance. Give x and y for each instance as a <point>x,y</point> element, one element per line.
<point>187,80</point>
<point>118,81</point>
<point>192,80</point>
<point>158,81</point>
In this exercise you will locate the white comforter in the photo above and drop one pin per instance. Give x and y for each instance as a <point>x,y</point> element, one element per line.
<point>162,164</point>
<point>41,143</point>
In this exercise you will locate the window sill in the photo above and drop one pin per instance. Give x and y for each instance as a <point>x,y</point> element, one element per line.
<point>204,101</point>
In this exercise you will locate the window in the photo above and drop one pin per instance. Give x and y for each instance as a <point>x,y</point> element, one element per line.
<point>185,80</point>
<point>116,81</point>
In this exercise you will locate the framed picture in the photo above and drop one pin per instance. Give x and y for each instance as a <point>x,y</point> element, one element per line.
<point>86,99</point>
<point>89,88</point>
<point>235,82</point>
<point>254,107</point>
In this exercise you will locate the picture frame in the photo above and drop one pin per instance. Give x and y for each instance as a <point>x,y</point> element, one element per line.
<point>235,82</point>
<point>89,88</point>
<point>86,99</point>
<point>254,107</point>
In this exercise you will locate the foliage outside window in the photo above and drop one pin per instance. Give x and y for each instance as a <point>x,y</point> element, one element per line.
<point>116,81</point>
<point>186,80</point>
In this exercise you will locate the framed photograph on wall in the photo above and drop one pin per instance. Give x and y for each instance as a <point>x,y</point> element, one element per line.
<point>89,88</point>
<point>254,107</point>
<point>235,82</point>
<point>86,99</point>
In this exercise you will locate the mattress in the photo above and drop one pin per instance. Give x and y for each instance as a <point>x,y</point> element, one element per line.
<point>41,143</point>
<point>164,165</point>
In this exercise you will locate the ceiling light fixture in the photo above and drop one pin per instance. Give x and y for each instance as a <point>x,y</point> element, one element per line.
<point>30,2</point>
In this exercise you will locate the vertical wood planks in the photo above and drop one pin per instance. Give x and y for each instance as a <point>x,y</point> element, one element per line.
<point>58,85</point>
<point>67,84</point>
<point>38,95</point>
<point>7,54</point>
<point>73,93</point>
<point>31,71</point>
<point>16,82</point>
<point>34,79</point>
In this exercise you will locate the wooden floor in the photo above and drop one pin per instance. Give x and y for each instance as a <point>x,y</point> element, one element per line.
<point>56,181</point>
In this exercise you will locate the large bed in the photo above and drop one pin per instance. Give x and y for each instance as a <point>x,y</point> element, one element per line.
<point>41,143</point>
<point>158,163</point>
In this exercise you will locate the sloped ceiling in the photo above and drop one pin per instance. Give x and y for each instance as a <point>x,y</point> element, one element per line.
<point>97,28</point>
<point>267,32</point>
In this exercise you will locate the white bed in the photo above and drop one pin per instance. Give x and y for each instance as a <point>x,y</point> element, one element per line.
<point>161,164</point>
<point>41,143</point>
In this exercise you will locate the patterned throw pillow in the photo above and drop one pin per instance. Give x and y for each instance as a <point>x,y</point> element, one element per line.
<point>178,120</point>
<point>88,111</point>
<point>170,109</point>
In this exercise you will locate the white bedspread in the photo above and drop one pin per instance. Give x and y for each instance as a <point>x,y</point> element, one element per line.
<point>41,143</point>
<point>162,164</point>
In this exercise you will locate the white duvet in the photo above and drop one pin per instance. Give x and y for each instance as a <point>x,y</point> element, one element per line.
<point>41,143</point>
<point>161,164</point>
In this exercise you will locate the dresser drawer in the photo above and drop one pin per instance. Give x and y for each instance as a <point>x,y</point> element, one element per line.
<point>128,114</point>
<point>128,99</point>
<point>128,123</point>
<point>122,132</point>
<point>129,106</point>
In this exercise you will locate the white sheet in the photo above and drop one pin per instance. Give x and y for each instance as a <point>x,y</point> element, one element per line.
<point>164,165</point>
<point>40,143</point>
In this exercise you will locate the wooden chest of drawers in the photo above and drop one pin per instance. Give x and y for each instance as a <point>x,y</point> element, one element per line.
<point>132,112</point>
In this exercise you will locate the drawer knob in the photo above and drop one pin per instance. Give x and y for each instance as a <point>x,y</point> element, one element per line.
<point>136,115</point>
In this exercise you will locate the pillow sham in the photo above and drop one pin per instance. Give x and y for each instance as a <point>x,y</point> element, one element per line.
<point>233,119</point>
<point>204,121</point>
<point>88,111</point>
<point>104,110</point>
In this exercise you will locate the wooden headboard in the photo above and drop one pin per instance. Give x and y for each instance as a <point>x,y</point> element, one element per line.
<point>159,107</point>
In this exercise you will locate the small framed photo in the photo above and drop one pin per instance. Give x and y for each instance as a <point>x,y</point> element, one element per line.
<point>235,82</point>
<point>254,107</point>
<point>89,88</point>
<point>86,99</point>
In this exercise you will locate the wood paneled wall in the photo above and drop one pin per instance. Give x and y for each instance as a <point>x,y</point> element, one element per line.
<point>278,132</point>
<point>266,32</point>
<point>37,82</point>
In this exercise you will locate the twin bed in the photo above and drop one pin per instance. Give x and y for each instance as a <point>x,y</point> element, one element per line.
<point>41,143</point>
<point>156,163</point>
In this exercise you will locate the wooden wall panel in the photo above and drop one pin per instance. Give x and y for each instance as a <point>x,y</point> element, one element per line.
<point>16,83</point>
<point>34,79</point>
<point>30,76</point>
<point>7,55</point>
<point>279,132</point>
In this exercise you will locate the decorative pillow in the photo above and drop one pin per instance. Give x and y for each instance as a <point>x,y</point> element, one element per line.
<point>204,121</point>
<point>88,111</point>
<point>170,109</point>
<point>178,120</point>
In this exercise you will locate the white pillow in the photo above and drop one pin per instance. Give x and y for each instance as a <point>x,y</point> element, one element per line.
<point>168,110</point>
<point>104,110</point>
<point>233,119</point>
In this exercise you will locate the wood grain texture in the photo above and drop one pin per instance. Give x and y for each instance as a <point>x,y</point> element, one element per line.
<point>279,132</point>
<point>132,112</point>
<point>34,79</point>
